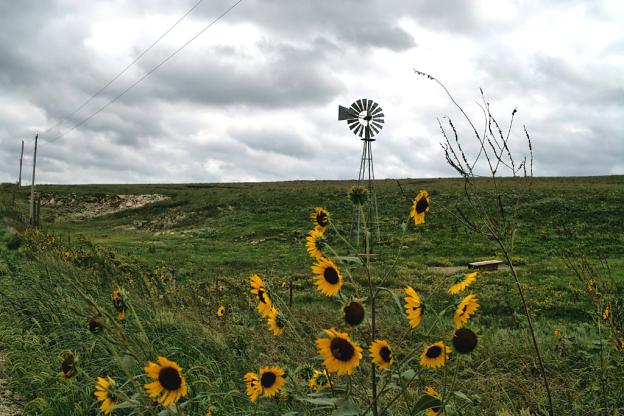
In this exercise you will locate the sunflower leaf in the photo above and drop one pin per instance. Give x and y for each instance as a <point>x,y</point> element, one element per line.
<point>425,402</point>
<point>394,296</point>
<point>408,374</point>
<point>462,396</point>
<point>346,408</point>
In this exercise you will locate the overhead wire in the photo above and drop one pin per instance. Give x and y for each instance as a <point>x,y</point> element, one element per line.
<point>123,71</point>
<point>148,73</point>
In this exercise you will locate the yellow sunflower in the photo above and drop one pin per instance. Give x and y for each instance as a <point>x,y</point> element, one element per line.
<point>276,322</point>
<point>433,411</point>
<point>605,313</point>
<point>168,381</point>
<point>220,311</point>
<point>262,296</point>
<point>434,355</point>
<point>319,380</point>
<point>320,218</point>
<point>210,410</point>
<point>119,303</point>
<point>313,243</point>
<point>252,386</point>
<point>328,277</point>
<point>413,307</point>
<point>271,380</point>
<point>381,353</point>
<point>462,282</point>
<point>420,205</point>
<point>104,394</point>
<point>341,354</point>
<point>465,310</point>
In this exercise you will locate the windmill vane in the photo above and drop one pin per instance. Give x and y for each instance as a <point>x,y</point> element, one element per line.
<point>364,117</point>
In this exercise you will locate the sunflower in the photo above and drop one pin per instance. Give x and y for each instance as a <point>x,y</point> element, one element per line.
<point>381,353</point>
<point>168,381</point>
<point>271,380</point>
<point>328,277</point>
<point>68,366</point>
<point>413,307</point>
<point>320,218</point>
<point>465,310</point>
<point>314,243</point>
<point>252,386</point>
<point>590,285</point>
<point>264,301</point>
<point>434,355</point>
<point>464,341</point>
<point>319,380</point>
<point>619,344</point>
<point>95,325</point>
<point>276,322</point>
<point>104,394</point>
<point>556,333</point>
<point>341,354</point>
<point>353,313</point>
<point>210,410</point>
<point>220,311</point>
<point>119,303</point>
<point>420,205</point>
<point>433,411</point>
<point>462,282</point>
<point>605,313</point>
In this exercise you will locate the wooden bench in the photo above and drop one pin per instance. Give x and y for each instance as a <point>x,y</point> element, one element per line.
<point>485,265</point>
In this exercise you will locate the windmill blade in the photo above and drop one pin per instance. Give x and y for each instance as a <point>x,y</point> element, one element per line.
<point>374,108</point>
<point>378,116</point>
<point>374,128</point>
<point>369,104</point>
<point>359,130</point>
<point>345,113</point>
<point>376,111</point>
<point>362,104</point>
<point>356,105</point>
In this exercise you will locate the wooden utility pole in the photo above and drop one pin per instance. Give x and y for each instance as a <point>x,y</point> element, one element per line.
<point>32,187</point>
<point>19,181</point>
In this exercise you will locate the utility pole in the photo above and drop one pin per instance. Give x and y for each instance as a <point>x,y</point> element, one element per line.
<point>32,187</point>
<point>19,182</point>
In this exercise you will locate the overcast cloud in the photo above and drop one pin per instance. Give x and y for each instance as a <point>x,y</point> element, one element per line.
<point>255,97</point>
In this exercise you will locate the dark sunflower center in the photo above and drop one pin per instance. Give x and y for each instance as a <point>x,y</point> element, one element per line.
<point>421,205</point>
<point>321,219</point>
<point>464,341</point>
<point>342,349</point>
<point>331,275</point>
<point>385,354</point>
<point>268,379</point>
<point>261,296</point>
<point>169,378</point>
<point>434,352</point>
<point>354,313</point>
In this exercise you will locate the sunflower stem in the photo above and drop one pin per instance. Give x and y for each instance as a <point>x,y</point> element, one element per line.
<point>538,353</point>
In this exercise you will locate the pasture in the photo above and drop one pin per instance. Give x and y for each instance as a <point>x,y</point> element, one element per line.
<point>194,249</point>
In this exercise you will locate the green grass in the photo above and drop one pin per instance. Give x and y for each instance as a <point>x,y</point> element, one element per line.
<point>224,232</point>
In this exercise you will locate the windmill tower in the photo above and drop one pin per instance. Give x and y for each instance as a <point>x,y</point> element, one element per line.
<point>365,118</point>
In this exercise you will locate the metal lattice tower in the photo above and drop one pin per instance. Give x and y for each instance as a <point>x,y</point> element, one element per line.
<point>365,119</point>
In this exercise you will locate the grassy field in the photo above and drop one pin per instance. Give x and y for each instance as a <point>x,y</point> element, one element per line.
<point>212,237</point>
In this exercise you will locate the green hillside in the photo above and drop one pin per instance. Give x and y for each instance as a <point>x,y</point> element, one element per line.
<point>181,251</point>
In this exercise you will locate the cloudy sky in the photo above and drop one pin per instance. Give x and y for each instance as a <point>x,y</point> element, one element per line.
<point>255,96</point>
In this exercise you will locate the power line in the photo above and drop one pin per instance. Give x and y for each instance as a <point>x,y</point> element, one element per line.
<point>149,72</point>
<point>123,71</point>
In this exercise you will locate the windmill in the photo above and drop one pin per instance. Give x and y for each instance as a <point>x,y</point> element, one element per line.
<point>365,118</point>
